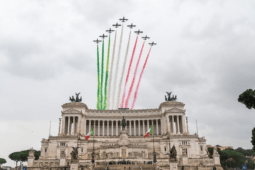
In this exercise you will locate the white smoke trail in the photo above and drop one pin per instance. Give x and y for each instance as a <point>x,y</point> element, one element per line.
<point>117,69</point>
<point>111,71</point>
<point>122,74</point>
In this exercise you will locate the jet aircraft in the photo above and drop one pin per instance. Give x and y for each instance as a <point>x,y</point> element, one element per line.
<point>110,31</point>
<point>103,36</point>
<point>123,19</point>
<point>97,41</point>
<point>131,26</point>
<point>151,44</point>
<point>146,37</point>
<point>138,32</point>
<point>116,25</point>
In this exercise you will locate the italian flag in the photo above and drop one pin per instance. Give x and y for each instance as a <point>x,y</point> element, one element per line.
<point>91,133</point>
<point>150,131</point>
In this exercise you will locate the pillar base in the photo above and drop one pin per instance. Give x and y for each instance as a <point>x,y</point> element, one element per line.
<point>173,165</point>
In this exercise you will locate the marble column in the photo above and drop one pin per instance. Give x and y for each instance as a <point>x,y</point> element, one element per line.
<point>98,126</point>
<point>187,125</point>
<point>183,124</point>
<point>168,124</point>
<point>173,125</point>
<point>59,126</point>
<point>103,127</point>
<point>78,131</point>
<point>130,128</point>
<point>135,128</point>
<point>68,125</point>
<point>85,127</point>
<point>108,128</point>
<point>148,125</point>
<point>139,129</point>
<point>121,126</point>
<point>117,127</point>
<point>143,128</point>
<point>89,125</point>
<point>63,125</point>
<point>157,125</point>
<point>112,127</point>
<point>178,124</point>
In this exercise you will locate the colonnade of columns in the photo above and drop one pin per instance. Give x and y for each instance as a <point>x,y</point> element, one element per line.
<point>176,124</point>
<point>70,125</point>
<point>113,127</point>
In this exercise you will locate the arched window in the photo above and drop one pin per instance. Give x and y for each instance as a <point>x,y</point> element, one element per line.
<point>201,147</point>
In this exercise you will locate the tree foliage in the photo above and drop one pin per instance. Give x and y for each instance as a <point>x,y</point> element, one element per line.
<point>22,156</point>
<point>253,140</point>
<point>234,158</point>
<point>2,161</point>
<point>245,152</point>
<point>248,98</point>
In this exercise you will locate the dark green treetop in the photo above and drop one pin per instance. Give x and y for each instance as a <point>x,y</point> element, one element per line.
<point>248,98</point>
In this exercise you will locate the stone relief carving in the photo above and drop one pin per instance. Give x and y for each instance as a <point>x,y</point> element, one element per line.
<point>62,154</point>
<point>184,151</point>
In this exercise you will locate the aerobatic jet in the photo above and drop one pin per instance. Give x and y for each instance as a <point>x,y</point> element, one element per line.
<point>123,19</point>
<point>110,31</point>
<point>97,41</point>
<point>103,36</point>
<point>131,26</point>
<point>116,25</point>
<point>151,44</point>
<point>146,37</point>
<point>138,32</point>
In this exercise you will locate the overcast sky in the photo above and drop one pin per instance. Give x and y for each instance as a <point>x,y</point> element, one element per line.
<point>204,54</point>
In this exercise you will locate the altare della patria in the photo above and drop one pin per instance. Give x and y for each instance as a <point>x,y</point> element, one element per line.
<point>119,143</point>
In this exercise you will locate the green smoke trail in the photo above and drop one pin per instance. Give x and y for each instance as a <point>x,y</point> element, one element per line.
<point>106,75</point>
<point>102,79</point>
<point>98,80</point>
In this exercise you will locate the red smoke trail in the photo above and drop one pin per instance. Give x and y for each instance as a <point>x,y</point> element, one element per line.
<point>129,68</point>
<point>133,81</point>
<point>138,84</point>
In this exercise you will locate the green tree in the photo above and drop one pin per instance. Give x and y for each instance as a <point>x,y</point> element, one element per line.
<point>248,98</point>
<point>253,140</point>
<point>245,152</point>
<point>2,161</point>
<point>22,156</point>
<point>15,156</point>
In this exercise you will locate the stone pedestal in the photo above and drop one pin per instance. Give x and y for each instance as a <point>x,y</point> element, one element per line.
<point>173,165</point>
<point>74,165</point>
<point>184,160</point>
<point>62,162</point>
<point>31,158</point>
<point>216,158</point>
<point>123,138</point>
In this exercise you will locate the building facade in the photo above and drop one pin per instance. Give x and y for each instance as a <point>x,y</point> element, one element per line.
<point>112,143</point>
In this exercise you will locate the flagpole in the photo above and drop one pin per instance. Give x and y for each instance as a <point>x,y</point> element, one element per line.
<point>154,154</point>
<point>93,160</point>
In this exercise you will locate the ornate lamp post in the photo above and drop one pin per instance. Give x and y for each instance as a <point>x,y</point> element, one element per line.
<point>93,153</point>
<point>154,153</point>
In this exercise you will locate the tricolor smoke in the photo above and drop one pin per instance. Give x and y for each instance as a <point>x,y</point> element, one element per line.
<point>127,77</point>
<point>111,72</point>
<point>102,78</point>
<point>133,81</point>
<point>106,75</point>
<point>140,77</point>
<point>123,71</point>
<point>117,69</point>
<point>98,80</point>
